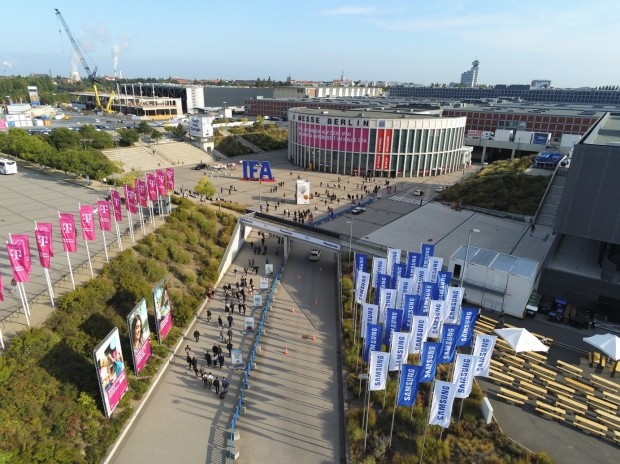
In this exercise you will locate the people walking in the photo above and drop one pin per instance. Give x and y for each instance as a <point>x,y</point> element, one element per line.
<point>195,365</point>
<point>188,358</point>
<point>220,322</point>
<point>197,335</point>
<point>220,358</point>
<point>229,346</point>
<point>187,349</point>
<point>216,384</point>
<point>230,321</point>
<point>225,385</point>
<point>208,315</point>
<point>230,334</point>
<point>205,379</point>
<point>210,379</point>
<point>208,358</point>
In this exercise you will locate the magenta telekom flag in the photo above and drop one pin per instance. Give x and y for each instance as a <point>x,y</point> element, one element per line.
<point>116,205</point>
<point>1,289</point>
<point>105,220</point>
<point>16,257</point>
<point>67,232</point>
<point>151,186</point>
<point>43,236</point>
<point>141,193</point>
<point>23,241</point>
<point>170,179</point>
<point>87,220</point>
<point>161,181</point>
<point>130,199</point>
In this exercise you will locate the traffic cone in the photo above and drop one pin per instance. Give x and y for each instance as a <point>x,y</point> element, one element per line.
<point>285,351</point>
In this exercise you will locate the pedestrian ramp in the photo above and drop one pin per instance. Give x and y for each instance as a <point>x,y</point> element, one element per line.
<point>413,201</point>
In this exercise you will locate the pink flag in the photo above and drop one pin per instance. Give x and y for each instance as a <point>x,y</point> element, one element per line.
<point>130,199</point>
<point>43,236</point>
<point>161,181</point>
<point>1,289</point>
<point>23,241</point>
<point>151,185</point>
<point>170,179</point>
<point>105,220</point>
<point>87,220</point>
<point>16,257</point>
<point>67,232</point>
<point>141,193</point>
<point>116,205</point>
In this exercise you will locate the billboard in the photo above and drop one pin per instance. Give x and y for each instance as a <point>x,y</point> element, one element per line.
<point>110,371</point>
<point>352,139</point>
<point>139,335</point>
<point>161,303</point>
<point>201,126</point>
<point>33,93</point>
<point>302,192</point>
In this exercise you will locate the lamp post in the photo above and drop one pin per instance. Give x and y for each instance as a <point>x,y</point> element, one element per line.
<point>467,256</point>
<point>350,239</point>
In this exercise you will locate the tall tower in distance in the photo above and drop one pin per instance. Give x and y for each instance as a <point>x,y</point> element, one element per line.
<point>470,78</point>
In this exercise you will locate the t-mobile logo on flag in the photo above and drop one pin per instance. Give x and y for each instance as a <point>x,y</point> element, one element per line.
<point>161,182</point>
<point>151,185</point>
<point>142,193</point>
<point>87,221</point>
<point>67,232</point>
<point>43,236</point>
<point>16,258</point>
<point>105,220</point>
<point>170,179</point>
<point>116,205</point>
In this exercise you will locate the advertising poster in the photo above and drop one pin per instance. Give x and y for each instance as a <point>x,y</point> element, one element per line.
<point>110,371</point>
<point>163,315</point>
<point>248,323</point>
<point>268,269</point>
<point>139,335</point>
<point>302,193</point>
<point>257,300</point>
<point>264,283</point>
<point>236,358</point>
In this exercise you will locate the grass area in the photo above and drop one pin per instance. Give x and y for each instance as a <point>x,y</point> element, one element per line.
<point>265,136</point>
<point>50,406</point>
<point>467,440</point>
<point>501,186</point>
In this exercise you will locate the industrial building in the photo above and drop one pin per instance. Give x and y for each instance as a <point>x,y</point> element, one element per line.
<point>583,265</point>
<point>376,143</point>
<point>470,78</point>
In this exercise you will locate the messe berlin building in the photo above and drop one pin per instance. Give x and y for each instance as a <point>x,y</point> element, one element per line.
<point>376,143</point>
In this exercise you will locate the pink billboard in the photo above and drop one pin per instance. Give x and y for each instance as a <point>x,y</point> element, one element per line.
<point>139,335</point>
<point>335,138</point>
<point>163,315</point>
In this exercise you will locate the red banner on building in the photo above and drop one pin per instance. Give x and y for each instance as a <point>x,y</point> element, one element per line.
<point>43,237</point>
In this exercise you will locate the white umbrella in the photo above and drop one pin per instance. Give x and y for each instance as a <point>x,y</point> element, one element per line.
<point>607,343</point>
<point>521,340</point>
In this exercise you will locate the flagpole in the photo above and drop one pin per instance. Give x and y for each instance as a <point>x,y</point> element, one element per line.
<point>21,297</point>
<point>105,247</point>
<point>50,289</point>
<point>133,238</point>
<point>367,408</point>
<point>427,420</point>
<point>1,339</point>
<point>395,404</point>
<point>21,289</point>
<point>69,262</point>
<point>118,231</point>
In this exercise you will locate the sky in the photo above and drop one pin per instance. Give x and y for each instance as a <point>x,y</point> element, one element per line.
<point>572,43</point>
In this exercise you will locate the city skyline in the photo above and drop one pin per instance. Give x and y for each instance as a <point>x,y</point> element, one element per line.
<point>515,42</point>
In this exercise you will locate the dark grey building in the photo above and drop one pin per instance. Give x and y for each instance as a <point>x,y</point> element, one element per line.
<point>582,96</point>
<point>583,265</point>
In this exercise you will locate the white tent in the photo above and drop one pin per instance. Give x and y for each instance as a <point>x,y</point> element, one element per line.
<point>521,340</point>
<point>607,343</point>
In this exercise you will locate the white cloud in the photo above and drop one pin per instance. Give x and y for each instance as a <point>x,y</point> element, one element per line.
<point>349,11</point>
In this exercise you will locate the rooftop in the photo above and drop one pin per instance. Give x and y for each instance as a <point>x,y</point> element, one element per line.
<point>605,132</point>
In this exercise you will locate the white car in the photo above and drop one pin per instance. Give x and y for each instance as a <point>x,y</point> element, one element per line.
<point>440,189</point>
<point>418,193</point>
<point>315,255</point>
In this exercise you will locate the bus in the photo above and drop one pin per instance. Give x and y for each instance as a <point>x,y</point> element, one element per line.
<point>7,166</point>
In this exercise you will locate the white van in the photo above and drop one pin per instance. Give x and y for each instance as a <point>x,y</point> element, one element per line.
<point>7,166</point>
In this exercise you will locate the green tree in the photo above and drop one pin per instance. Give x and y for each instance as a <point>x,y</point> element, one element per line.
<point>128,137</point>
<point>62,138</point>
<point>156,135</point>
<point>205,188</point>
<point>179,132</point>
<point>144,128</point>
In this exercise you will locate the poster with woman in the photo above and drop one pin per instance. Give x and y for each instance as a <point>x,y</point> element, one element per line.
<point>163,316</point>
<point>139,335</point>
<point>110,371</point>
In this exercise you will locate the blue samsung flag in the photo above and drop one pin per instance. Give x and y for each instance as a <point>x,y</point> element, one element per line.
<point>383,281</point>
<point>398,270</point>
<point>443,282</point>
<point>426,251</point>
<point>430,352</point>
<point>361,261</point>
<point>372,342</point>
<point>413,260</point>
<point>449,334</point>
<point>408,312</point>
<point>412,303</point>
<point>393,322</point>
<point>409,381</point>
<point>429,292</point>
<point>466,326</point>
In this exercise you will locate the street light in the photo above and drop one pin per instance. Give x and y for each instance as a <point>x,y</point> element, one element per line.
<point>350,239</point>
<point>467,255</point>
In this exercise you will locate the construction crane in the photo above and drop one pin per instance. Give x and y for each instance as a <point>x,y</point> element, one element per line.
<point>92,75</point>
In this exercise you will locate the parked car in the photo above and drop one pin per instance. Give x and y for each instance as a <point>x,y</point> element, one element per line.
<point>440,189</point>
<point>358,210</point>
<point>418,193</point>
<point>315,255</point>
<point>200,166</point>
